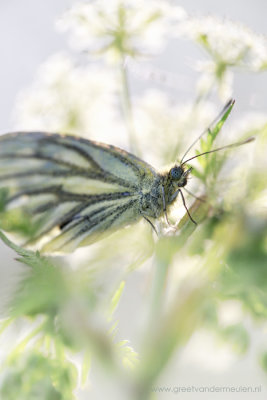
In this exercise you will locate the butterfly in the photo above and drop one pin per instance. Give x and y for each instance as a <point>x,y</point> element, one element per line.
<point>76,190</point>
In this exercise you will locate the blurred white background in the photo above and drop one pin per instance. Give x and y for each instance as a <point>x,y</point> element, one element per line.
<point>28,37</point>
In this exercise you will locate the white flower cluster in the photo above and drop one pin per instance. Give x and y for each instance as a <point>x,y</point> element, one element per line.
<point>117,27</point>
<point>71,99</point>
<point>228,42</point>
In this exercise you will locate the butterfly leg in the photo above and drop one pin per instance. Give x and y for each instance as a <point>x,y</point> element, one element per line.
<point>164,206</point>
<point>152,225</point>
<point>174,196</point>
<point>185,206</point>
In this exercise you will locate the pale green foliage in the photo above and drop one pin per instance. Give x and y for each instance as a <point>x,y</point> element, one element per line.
<point>46,378</point>
<point>189,275</point>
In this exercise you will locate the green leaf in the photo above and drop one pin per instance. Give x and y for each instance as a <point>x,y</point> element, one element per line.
<point>115,299</point>
<point>129,356</point>
<point>214,132</point>
<point>86,365</point>
<point>27,257</point>
<point>42,289</point>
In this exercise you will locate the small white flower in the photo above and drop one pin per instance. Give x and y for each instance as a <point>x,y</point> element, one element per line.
<point>228,43</point>
<point>120,27</point>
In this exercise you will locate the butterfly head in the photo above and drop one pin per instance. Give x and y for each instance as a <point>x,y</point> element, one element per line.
<point>178,175</point>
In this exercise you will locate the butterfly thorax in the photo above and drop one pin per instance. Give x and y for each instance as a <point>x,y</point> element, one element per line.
<point>163,191</point>
<point>151,200</point>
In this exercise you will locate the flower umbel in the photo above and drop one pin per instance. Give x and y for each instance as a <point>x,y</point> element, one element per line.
<point>120,27</point>
<point>229,43</point>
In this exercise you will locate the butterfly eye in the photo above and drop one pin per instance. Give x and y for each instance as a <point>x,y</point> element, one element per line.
<point>176,173</point>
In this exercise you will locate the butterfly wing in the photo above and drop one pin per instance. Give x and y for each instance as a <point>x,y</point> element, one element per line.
<point>73,190</point>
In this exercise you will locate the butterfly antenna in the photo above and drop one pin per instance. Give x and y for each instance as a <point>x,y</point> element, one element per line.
<point>228,105</point>
<point>221,148</point>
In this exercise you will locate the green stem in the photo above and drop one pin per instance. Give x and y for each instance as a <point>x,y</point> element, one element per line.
<point>19,250</point>
<point>127,108</point>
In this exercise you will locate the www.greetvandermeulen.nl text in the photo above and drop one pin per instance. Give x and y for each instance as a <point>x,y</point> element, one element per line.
<point>207,389</point>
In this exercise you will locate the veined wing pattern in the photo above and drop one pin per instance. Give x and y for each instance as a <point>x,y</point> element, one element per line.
<point>82,188</point>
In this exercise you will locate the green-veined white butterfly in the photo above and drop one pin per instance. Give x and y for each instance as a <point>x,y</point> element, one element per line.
<point>86,189</point>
